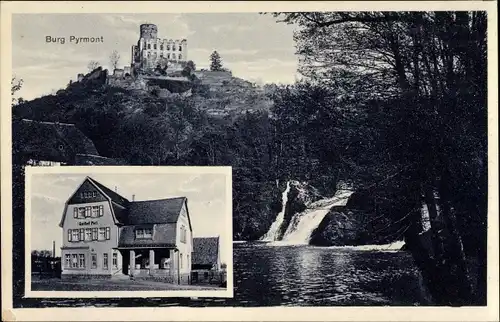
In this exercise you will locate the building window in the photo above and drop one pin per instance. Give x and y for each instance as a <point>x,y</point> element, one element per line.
<point>115,260</point>
<point>81,262</point>
<point>94,260</point>
<point>102,233</point>
<point>74,236</point>
<point>183,234</point>
<point>94,233</point>
<point>87,211</point>
<point>67,261</point>
<point>143,233</point>
<point>181,260</point>
<point>88,234</point>
<point>105,261</point>
<point>95,211</point>
<point>108,233</point>
<point>173,47</point>
<point>74,261</point>
<point>81,212</point>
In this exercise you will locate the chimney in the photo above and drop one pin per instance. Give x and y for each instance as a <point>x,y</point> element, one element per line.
<point>53,248</point>
<point>133,197</point>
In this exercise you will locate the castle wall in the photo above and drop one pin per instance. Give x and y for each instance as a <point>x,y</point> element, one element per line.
<point>151,50</point>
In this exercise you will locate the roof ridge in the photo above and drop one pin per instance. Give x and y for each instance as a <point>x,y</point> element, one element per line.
<point>100,184</point>
<point>162,199</point>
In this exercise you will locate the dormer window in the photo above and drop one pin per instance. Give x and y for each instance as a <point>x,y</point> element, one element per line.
<point>144,233</point>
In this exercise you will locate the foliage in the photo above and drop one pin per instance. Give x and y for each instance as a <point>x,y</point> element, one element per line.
<point>92,65</point>
<point>114,59</point>
<point>16,85</point>
<point>412,90</point>
<point>215,62</point>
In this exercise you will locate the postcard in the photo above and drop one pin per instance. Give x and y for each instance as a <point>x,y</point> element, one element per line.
<point>260,160</point>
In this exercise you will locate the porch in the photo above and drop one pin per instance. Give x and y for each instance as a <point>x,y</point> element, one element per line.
<point>155,263</point>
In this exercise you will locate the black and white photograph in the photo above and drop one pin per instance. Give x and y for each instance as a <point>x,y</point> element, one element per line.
<point>114,233</point>
<point>360,138</point>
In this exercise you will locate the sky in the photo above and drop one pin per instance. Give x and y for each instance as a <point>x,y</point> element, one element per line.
<point>206,195</point>
<point>253,46</point>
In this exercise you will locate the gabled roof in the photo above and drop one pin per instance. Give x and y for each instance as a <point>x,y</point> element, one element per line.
<point>154,211</point>
<point>205,250</point>
<point>51,141</point>
<point>115,197</point>
<point>163,236</point>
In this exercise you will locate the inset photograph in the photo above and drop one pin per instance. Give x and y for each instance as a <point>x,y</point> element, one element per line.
<point>127,231</point>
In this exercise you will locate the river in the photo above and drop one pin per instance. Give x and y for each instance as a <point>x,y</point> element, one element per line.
<point>267,275</point>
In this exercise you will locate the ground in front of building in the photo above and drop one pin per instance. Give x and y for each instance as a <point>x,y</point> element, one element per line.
<point>57,284</point>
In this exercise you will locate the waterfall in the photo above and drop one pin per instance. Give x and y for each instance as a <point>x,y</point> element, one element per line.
<point>303,224</point>
<point>272,234</point>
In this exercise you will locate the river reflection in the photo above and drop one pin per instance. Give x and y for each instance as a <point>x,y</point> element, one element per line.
<point>266,275</point>
<point>306,275</point>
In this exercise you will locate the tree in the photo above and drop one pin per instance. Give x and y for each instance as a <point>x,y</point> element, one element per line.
<point>191,65</point>
<point>415,84</point>
<point>114,59</point>
<point>16,85</point>
<point>92,65</point>
<point>215,62</point>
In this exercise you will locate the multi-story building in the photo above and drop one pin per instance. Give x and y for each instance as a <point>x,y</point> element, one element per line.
<point>151,50</point>
<point>106,235</point>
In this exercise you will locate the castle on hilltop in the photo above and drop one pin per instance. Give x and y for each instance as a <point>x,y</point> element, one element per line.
<point>152,51</point>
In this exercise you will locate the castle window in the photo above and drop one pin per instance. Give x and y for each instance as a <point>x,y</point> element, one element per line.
<point>149,46</point>
<point>173,56</point>
<point>168,56</point>
<point>180,56</point>
<point>161,55</point>
<point>180,48</point>
<point>161,47</point>
<point>173,47</point>
<point>168,47</point>
<point>154,46</point>
<point>108,233</point>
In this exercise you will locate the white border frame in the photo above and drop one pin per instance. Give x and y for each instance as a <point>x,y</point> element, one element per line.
<point>488,313</point>
<point>92,170</point>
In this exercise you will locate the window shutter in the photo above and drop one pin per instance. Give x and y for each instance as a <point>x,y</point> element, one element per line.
<point>69,235</point>
<point>75,212</point>
<point>82,234</point>
<point>108,233</point>
<point>101,211</point>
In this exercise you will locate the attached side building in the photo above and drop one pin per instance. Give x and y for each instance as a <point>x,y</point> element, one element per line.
<point>106,235</point>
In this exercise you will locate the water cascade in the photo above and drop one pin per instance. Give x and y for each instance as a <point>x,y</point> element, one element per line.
<point>303,224</point>
<point>272,234</point>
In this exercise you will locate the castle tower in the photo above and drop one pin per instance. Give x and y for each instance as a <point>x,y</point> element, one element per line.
<point>152,51</point>
<point>149,31</point>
